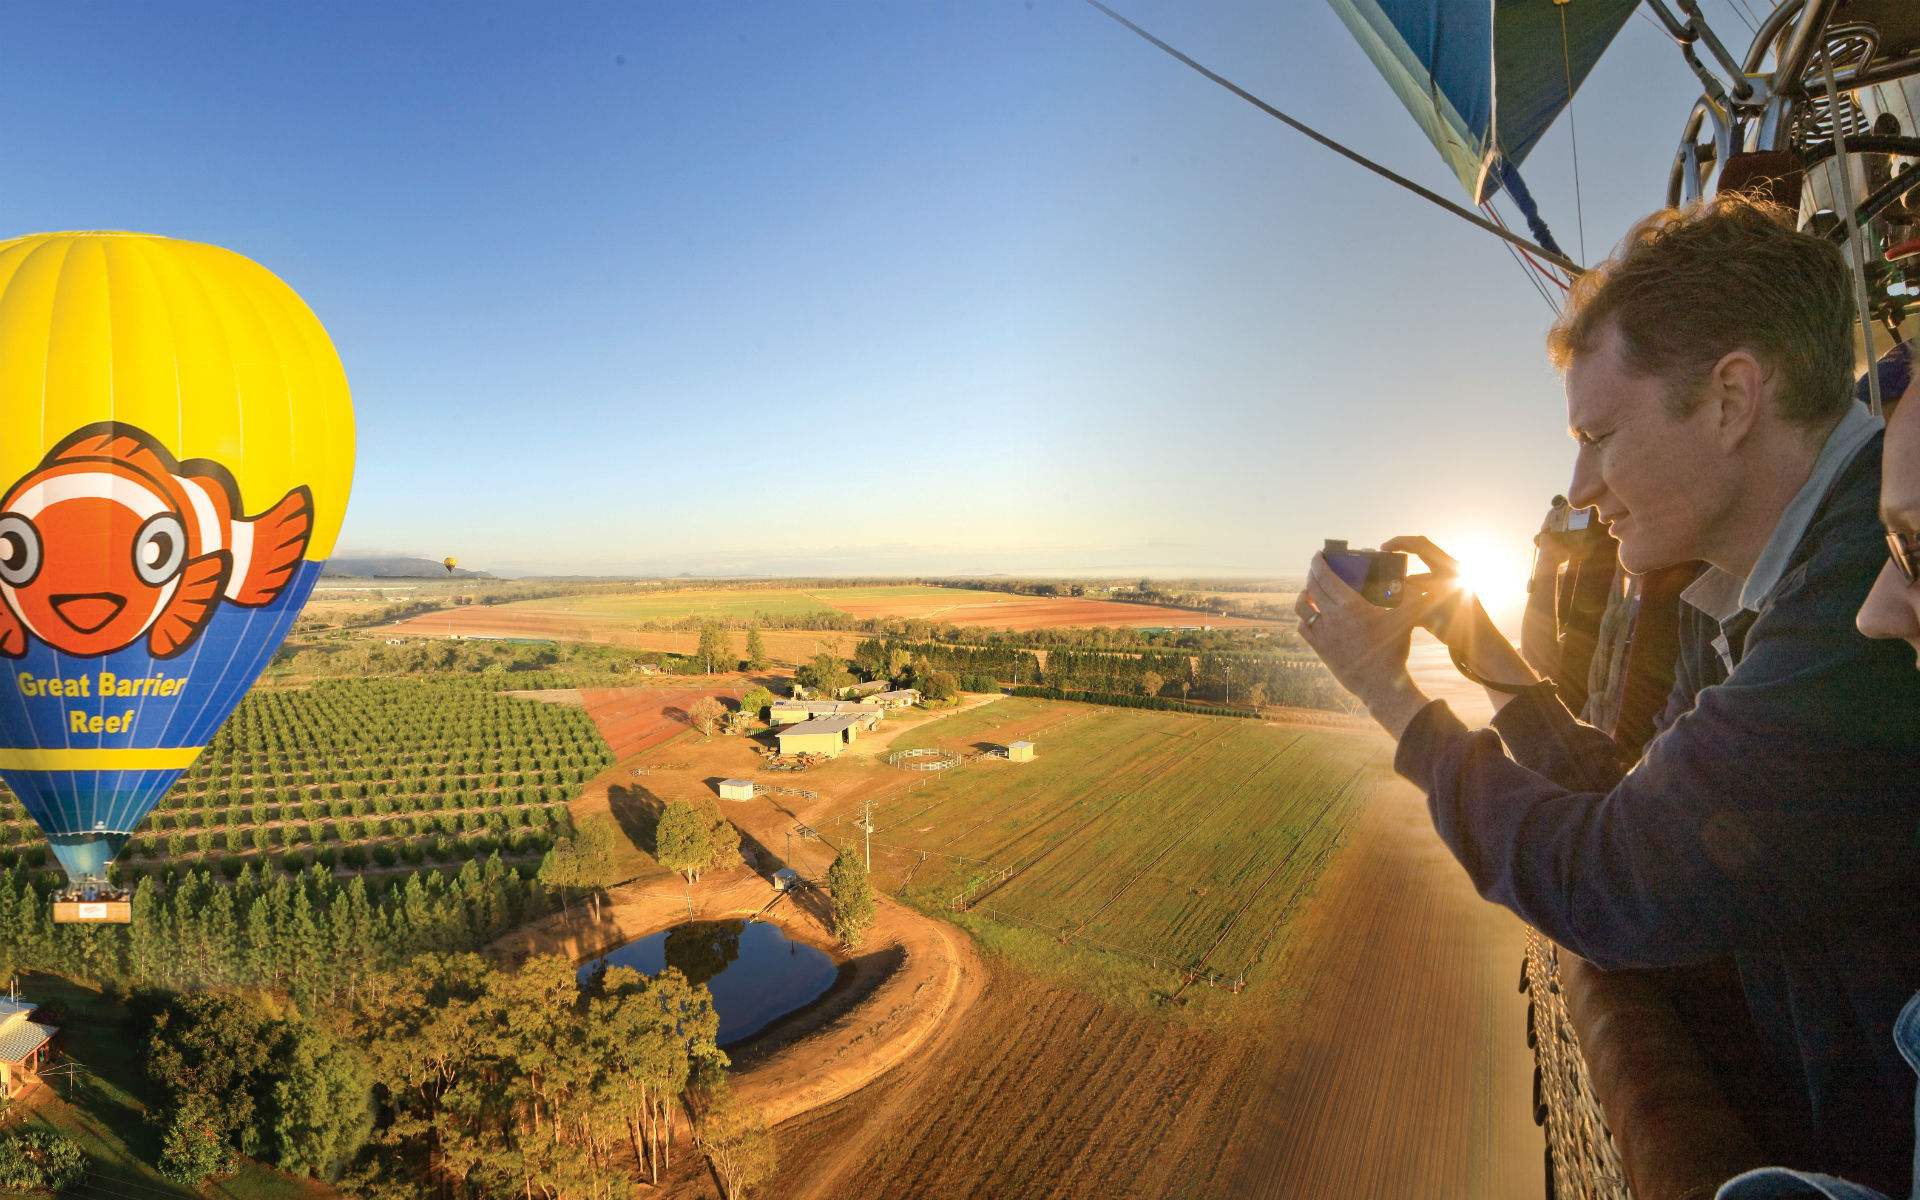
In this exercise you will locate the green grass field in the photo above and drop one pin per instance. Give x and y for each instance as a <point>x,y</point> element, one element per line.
<point>1161,841</point>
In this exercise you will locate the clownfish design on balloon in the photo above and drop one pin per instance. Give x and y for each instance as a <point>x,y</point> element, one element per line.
<point>140,596</point>
<point>111,540</point>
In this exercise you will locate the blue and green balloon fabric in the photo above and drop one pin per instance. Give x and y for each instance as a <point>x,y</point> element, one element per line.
<point>1484,78</point>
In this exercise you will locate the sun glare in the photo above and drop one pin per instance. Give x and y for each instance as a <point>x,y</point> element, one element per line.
<point>1493,571</point>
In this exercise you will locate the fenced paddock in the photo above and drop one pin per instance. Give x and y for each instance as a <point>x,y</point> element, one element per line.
<point>924,758</point>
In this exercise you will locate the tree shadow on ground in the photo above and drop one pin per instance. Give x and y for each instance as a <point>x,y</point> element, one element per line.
<point>638,813</point>
<point>755,854</point>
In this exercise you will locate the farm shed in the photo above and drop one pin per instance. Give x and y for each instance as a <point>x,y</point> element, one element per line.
<point>898,698</point>
<point>736,789</point>
<point>25,1047</point>
<point>1019,751</point>
<point>822,735</point>
<point>787,712</point>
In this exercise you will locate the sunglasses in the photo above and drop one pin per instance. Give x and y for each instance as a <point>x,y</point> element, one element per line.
<point>1905,548</point>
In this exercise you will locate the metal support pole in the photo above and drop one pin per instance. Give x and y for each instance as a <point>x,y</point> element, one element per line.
<point>1856,237</point>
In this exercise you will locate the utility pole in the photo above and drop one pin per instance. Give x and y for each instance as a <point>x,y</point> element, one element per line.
<point>866,824</point>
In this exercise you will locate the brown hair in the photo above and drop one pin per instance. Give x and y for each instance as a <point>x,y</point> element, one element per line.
<point>1687,287</point>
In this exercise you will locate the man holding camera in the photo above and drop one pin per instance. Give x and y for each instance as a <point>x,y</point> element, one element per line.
<point>1773,819</point>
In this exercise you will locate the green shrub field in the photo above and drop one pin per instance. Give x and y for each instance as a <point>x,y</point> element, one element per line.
<point>361,774</point>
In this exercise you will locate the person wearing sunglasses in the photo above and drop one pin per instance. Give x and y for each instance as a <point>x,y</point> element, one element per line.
<point>1892,609</point>
<point>1771,821</point>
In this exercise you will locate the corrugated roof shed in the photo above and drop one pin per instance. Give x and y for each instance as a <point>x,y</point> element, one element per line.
<point>20,1038</point>
<point>822,725</point>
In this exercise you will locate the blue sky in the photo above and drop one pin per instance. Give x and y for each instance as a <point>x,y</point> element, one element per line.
<point>985,286</point>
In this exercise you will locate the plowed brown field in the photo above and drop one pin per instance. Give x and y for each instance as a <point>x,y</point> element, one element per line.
<point>635,719</point>
<point>1391,1062</point>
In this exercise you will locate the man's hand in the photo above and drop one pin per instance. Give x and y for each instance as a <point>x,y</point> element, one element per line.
<point>1366,646</point>
<point>1461,621</point>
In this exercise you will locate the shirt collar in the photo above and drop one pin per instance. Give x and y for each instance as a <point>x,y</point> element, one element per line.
<point>1855,430</point>
<point>1719,594</point>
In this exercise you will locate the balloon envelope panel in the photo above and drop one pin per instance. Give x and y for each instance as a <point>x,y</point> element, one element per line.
<point>183,447</point>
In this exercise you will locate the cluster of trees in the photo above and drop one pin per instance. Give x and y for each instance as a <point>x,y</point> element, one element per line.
<point>238,1078</point>
<point>755,702</point>
<point>1228,677</point>
<point>364,657</point>
<point>691,838</point>
<point>715,651</point>
<point>39,1160</point>
<point>824,673</point>
<point>976,668</point>
<point>579,864</point>
<point>492,1082</point>
<point>317,938</point>
<point>451,1076</point>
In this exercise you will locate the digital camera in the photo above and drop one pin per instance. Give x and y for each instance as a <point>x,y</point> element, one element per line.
<point>1378,575</point>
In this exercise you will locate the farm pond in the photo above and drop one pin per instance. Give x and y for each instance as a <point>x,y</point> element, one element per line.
<point>756,973</point>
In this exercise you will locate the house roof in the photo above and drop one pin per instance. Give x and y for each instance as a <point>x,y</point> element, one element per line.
<point>822,725</point>
<point>20,1038</point>
<point>14,1008</point>
<point>895,694</point>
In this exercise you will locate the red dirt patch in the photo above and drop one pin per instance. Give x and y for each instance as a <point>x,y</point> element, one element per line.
<point>635,719</point>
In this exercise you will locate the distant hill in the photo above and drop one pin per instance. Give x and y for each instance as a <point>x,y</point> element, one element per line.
<point>397,567</point>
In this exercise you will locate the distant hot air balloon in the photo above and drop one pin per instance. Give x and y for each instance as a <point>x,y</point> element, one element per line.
<point>449,562</point>
<point>177,450</point>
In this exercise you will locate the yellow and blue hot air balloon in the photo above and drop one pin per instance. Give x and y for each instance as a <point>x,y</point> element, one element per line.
<point>175,467</point>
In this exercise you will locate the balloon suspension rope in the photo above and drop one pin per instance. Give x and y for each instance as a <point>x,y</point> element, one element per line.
<point>1465,214</point>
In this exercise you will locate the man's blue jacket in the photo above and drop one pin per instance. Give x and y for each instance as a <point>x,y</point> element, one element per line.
<point>1774,821</point>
